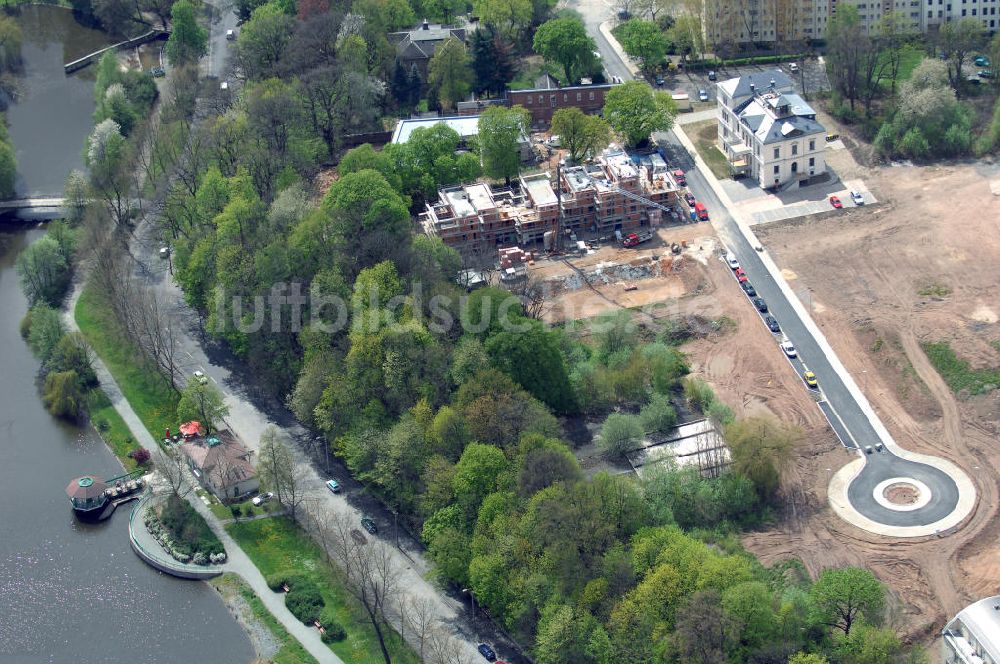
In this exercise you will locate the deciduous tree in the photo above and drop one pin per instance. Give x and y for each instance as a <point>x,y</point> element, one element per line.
<point>634,110</point>
<point>202,402</point>
<point>188,41</point>
<point>761,449</point>
<point>580,133</point>
<point>565,41</point>
<point>449,73</point>
<point>620,433</point>
<point>501,131</point>
<point>845,596</point>
<point>644,41</point>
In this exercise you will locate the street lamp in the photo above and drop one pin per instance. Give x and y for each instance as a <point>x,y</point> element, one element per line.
<point>472,598</point>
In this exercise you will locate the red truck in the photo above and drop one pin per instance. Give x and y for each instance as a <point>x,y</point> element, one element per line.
<point>635,239</point>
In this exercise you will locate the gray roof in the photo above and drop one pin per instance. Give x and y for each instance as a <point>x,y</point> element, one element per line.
<point>739,87</point>
<point>760,114</point>
<point>420,42</point>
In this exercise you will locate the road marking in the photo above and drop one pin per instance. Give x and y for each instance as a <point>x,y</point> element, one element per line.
<point>833,419</point>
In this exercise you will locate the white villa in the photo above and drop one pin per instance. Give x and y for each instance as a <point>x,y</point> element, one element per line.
<point>973,636</point>
<point>768,132</point>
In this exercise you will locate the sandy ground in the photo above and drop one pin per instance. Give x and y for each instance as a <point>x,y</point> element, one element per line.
<point>880,281</point>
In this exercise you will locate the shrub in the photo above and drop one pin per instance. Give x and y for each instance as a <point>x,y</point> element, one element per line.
<point>332,629</point>
<point>102,425</point>
<point>620,433</point>
<point>188,528</point>
<point>658,415</point>
<point>200,559</point>
<point>305,602</point>
<point>236,510</point>
<point>698,393</point>
<point>140,455</point>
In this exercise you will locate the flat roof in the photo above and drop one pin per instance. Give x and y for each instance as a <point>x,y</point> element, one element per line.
<point>459,201</point>
<point>465,125</point>
<point>480,197</point>
<point>539,188</point>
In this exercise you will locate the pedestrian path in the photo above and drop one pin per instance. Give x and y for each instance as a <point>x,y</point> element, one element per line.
<point>238,561</point>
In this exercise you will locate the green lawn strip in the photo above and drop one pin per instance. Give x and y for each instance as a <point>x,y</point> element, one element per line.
<point>112,428</point>
<point>147,392</point>
<point>278,544</point>
<point>291,651</point>
<point>705,135</point>
<point>955,371</point>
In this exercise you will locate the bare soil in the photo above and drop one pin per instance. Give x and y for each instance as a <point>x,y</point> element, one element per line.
<point>880,280</point>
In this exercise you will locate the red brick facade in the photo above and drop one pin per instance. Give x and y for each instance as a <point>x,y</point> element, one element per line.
<point>542,103</point>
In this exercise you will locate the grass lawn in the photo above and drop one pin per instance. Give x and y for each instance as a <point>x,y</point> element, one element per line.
<point>112,427</point>
<point>705,134</point>
<point>249,509</point>
<point>150,395</point>
<point>291,651</point>
<point>278,544</point>
<point>910,58</point>
<point>959,375</point>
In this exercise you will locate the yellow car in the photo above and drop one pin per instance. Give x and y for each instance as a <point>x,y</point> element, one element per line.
<point>810,379</point>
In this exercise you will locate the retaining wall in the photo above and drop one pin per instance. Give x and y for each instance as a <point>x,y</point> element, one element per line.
<point>161,560</point>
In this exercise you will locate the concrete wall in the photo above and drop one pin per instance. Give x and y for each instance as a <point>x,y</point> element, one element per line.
<point>160,559</point>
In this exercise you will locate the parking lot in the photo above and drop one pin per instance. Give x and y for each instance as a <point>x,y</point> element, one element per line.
<point>811,77</point>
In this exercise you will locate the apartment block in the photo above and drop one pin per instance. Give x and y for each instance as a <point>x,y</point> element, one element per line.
<point>973,636</point>
<point>616,192</point>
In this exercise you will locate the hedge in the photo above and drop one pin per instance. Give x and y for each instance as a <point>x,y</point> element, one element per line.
<point>305,602</point>
<point>332,629</point>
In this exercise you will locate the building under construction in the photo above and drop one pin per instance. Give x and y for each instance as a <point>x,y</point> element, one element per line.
<point>615,192</point>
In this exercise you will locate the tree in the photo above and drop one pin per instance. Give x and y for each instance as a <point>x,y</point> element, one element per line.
<point>807,658</point>
<point>73,354</point>
<point>491,61</point>
<point>844,37</point>
<point>644,41</point>
<point>262,40</point>
<point>277,469</point>
<point>686,35</point>
<point>45,330</point>
<point>386,15</point>
<point>202,402</point>
<point>169,462</point>
<point>565,41</point>
<point>449,73</point>
<point>957,40</point>
<point>107,157</point>
<point>43,272</point>
<point>501,131</point>
<point>8,168</point>
<point>703,630</point>
<point>895,31</point>
<point>477,474</point>
<point>188,41</point>
<point>75,191</point>
<point>443,10</point>
<point>634,110</point>
<point>533,358</point>
<point>761,449</point>
<point>580,133</point>
<point>844,596</point>
<point>620,433</point>
<point>508,17</point>
<point>869,645</point>
<point>63,395</point>
<point>658,416</point>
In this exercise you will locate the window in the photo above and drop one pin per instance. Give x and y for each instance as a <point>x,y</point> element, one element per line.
<point>812,161</point>
<point>777,153</point>
<point>541,98</point>
<point>812,144</point>
<point>795,149</point>
<point>591,96</point>
<point>529,100</point>
<point>777,169</point>
<point>579,96</point>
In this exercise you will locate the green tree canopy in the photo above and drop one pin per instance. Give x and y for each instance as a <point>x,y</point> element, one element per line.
<point>644,41</point>
<point>635,110</point>
<point>500,133</point>
<point>845,596</point>
<point>761,448</point>
<point>449,73</point>
<point>620,433</point>
<point>188,41</point>
<point>202,402</point>
<point>565,41</point>
<point>580,133</point>
<point>44,272</point>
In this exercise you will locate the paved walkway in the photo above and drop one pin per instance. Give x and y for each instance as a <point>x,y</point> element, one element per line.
<point>238,561</point>
<point>851,489</point>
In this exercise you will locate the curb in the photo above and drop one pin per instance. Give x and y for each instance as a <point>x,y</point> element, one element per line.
<point>617,48</point>
<point>967,495</point>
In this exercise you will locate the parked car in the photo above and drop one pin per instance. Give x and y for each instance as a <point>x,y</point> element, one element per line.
<point>689,199</point>
<point>742,278</point>
<point>858,198</point>
<point>701,211</point>
<point>793,67</point>
<point>369,525</point>
<point>164,252</point>
<point>835,202</point>
<point>200,377</point>
<point>748,289</point>
<point>554,141</point>
<point>832,137</point>
<point>985,73</point>
<point>772,323</point>
<point>810,379</point>
<point>789,348</point>
<point>982,61</point>
<point>262,498</point>
<point>333,485</point>
<point>739,272</point>
<point>487,652</point>
<point>660,80</point>
<point>711,75</point>
<point>702,95</point>
<point>679,177</point>
<point>731,260</point>
<point>157,72</point>
<point>230,35</point>
<point>760,304</point>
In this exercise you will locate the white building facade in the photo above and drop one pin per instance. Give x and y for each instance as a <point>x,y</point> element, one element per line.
<point>768,132</point>
<point>973,636</point>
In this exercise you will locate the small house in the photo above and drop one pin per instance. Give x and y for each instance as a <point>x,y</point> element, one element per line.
<point>221,463</point>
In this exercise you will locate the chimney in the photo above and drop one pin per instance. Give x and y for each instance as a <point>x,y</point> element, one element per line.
<point>427,26</point>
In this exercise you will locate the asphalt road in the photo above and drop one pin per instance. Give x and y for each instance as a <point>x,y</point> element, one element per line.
<point>880,465</point>
<point>595,12</point>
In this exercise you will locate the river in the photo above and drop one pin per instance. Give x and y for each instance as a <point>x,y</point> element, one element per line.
<point>72,592</point>
<point>50,115</point>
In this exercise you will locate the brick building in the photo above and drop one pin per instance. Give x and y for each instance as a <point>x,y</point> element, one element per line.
<point>614,193</point>
<point>542,103</point>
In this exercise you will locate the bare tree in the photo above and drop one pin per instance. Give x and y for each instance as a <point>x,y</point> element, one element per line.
<point>442,648</point>
<point>534,295</point>
<point>170,462</point>
<point>420,617</point>
<point>278,470</point>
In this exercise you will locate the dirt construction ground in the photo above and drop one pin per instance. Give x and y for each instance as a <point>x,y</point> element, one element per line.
<point>881,280</point>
